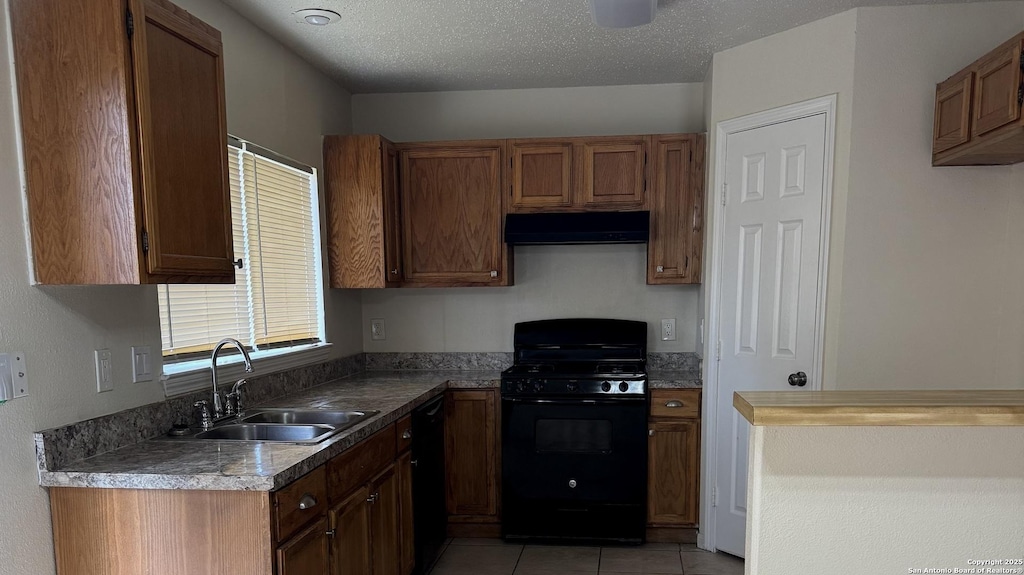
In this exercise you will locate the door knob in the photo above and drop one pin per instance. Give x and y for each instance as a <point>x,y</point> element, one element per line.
<point>798,379</point>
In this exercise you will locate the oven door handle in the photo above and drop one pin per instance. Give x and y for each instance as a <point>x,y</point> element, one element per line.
<point>566,401</point>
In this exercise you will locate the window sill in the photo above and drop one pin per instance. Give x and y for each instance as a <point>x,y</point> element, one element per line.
<point>187,376</point>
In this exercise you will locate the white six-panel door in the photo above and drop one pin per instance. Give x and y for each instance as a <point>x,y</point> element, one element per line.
<point>771,242</point>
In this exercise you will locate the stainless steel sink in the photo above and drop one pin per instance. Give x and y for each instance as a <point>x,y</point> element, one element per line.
<point>279,433</point>
<point>340,420</point>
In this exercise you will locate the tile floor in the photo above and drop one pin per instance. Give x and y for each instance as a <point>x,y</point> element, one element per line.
<point>495,557</point>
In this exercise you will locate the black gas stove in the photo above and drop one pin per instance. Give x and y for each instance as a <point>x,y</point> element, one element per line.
<point>574,431</point>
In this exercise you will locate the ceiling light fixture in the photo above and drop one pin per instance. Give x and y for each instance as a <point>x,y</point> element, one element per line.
<point>316,17</point>
<point>623,13</point>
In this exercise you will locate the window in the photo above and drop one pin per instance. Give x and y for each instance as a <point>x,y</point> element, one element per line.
<point>277,300</point>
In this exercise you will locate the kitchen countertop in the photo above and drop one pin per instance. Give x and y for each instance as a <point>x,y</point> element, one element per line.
<point>882,408</point>
<point>165,463</point>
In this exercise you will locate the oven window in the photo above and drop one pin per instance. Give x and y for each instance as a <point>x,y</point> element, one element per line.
<point>573,436</point>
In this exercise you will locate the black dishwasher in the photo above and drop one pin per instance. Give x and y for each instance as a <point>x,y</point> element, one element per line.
<point>430,514</point>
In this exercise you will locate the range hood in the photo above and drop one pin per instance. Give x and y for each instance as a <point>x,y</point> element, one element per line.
<point>578,228</point>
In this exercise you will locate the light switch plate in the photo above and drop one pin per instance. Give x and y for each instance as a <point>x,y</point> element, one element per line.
<point>668,329</point>
<point>19,374</point>
<point>142,364</point>
<point>377,331</point>
<point>104,371</point>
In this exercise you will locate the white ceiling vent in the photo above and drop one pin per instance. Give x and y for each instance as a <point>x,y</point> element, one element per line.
<point>316,17</point>
<point>623,13</point>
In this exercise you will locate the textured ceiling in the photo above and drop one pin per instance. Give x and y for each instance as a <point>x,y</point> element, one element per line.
<point>428,45</point>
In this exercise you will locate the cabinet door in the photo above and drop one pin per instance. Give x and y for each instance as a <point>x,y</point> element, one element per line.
<point>677,202</point>
<point>452,215</point>
<point>305,554</point>
<point>471,453</point>
<point>350,540</point>
<point>673,452</point>
<point>953,112</point>
<point>392,216</point>
<point>385,547</point>
<point>541,174</point>
<point>408,554</point>
<point>997,87</point>
<point>182,134</point>
<point>613,173</point>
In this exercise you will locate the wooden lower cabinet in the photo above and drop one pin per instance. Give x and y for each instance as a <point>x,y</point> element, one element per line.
<point>344,518</point>
<point>472,459</point>
<point>406,526</point>
<point>350,535</point>
<point>308,552</point>
<point>673,459</point>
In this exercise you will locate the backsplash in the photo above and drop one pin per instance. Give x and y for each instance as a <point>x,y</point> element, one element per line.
<point>438,361</point>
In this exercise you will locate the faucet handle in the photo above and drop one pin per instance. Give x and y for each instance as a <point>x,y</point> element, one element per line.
<point>205,420</point>
<point>235,397</point>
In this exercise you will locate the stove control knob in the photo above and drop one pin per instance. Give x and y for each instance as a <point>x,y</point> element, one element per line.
<point>538,386</point>
<point>623,386</point>
<point>520,386</point>
<point>606,386</point>
<point>572,386</point>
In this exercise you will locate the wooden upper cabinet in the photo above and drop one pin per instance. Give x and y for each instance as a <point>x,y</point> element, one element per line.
<point>471,455</point>
<point>978,119</point>
<point>541,176</point>
<point>997,88</point>
<point>364,212</point>
<point>953,111</point>
<point>676,247</point>
<point>452,214</point>
<point>152,203</point>
<point>613,173</point>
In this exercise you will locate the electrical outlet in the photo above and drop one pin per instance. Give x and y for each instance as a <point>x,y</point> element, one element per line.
<point>142,369</point>
<point>104,371</point>
<point>377,332</point>
<point>668,329</point>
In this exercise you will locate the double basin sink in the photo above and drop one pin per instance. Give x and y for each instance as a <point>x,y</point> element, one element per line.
<point>274,425</point>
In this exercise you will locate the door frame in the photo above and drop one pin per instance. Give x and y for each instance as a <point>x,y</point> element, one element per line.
<point>824,105</point>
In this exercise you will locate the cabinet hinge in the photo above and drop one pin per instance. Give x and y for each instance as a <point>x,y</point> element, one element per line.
<point>130,23</point>
<point>718,351</point>
<point>686,265</point>
<point>725,192</point>
<point>145,242</point>
<point>714,496</point>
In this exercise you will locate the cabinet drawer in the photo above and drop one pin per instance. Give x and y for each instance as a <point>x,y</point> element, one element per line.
<point>361,463</point>
<point>675,403</point>
<point>403,434</point>
<point>299,503</point>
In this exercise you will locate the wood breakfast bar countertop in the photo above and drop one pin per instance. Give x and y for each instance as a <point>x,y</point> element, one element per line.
<point>979,408</point>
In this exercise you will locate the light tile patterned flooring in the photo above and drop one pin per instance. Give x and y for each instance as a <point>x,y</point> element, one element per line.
<point>495,557</point>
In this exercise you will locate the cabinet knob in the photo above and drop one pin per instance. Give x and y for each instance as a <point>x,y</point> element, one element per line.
<point>661,269</point>
<point>407,434</point>
<point>650,433</point>
<point>673,403</point>
<point>307,502</point>
<point>494,273</point>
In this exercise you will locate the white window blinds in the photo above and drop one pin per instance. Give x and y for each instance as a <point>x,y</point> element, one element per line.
<point>277,298</point>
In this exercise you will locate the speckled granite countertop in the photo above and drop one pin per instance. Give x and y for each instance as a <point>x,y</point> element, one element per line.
<point>163,463</point>
<point>231,465</point>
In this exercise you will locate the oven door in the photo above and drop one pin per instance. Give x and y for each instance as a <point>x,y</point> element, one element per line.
<point>572,467</point>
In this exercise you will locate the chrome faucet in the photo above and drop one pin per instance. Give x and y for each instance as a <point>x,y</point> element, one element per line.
<point>218,405</point>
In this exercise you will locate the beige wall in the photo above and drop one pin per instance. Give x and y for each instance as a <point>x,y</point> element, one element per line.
<point>857,500</point>
<point>551,281</point>
<point>923,277</point>
<point>274,99</point>
<point>931,293</point>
